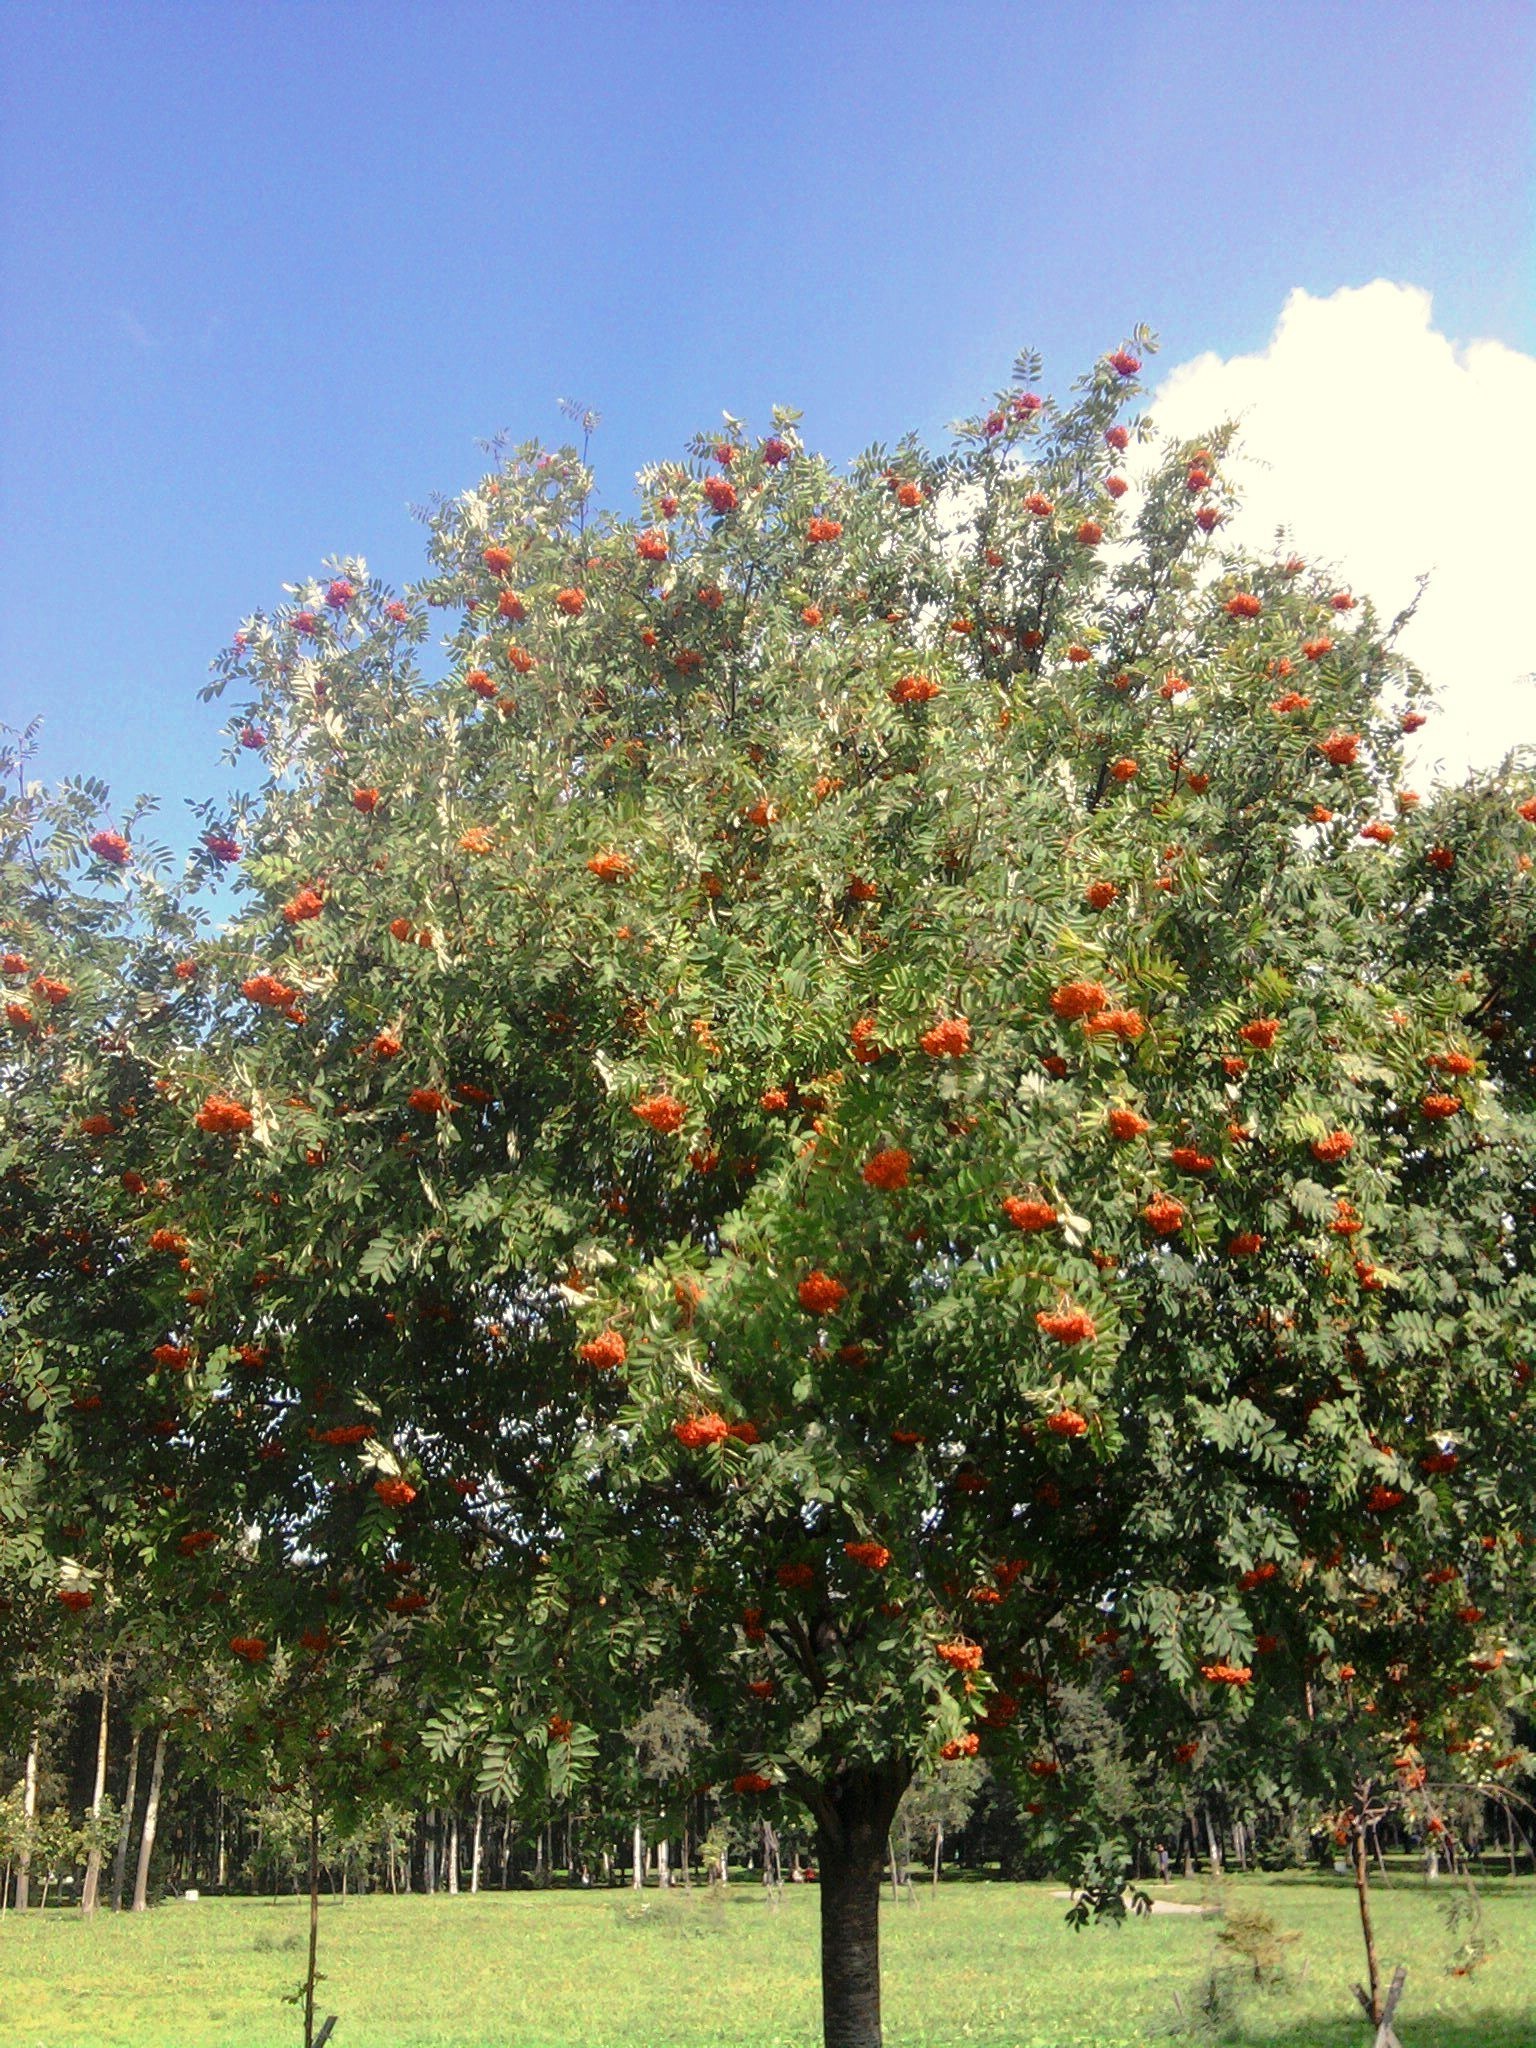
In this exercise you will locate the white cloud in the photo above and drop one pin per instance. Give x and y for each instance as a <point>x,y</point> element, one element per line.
<point>1390,452</point>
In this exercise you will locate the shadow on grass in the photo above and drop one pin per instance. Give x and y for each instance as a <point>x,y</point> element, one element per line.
<point>1430,2032</point>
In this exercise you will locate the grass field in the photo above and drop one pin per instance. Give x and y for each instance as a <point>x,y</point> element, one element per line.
<point>985,1964</point>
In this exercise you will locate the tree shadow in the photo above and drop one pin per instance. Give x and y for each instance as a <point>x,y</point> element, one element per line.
<point>1501,2030</point>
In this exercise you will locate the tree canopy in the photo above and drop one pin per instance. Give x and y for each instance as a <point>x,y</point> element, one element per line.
<point>865,1094</point>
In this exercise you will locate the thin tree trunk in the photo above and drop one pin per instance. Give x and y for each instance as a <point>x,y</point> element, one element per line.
<point>151,1823</point>
<point>1213,1844</point>
<point>453,1853</point>
<point>853,1818</point>
<point>637,1859</point>
<point>474,1854</point>
<point>91,1883</point>
<point>663,1863</point>
<point>938,1849</point>
<point>429,1852</point>
<point>29,1823</point>
<point>314,1921</point>
<point>222,1879</point>
<point>125,1825</point>
<point>1367,1930</point>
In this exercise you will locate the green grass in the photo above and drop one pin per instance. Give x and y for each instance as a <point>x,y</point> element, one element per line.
<point>985,1964</point>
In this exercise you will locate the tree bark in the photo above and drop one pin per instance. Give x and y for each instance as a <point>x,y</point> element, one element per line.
<point>125,1826</point>
<point>1213,1845</point>
<point>29,1823</point>
<point>151,1823</point>
<point>853,1813</point>
<point>91,1883</point>
<point>453,1852</point>
<point>474,1857</point>
<point>637,1859</point>
<point>1367,1930</point>
<point>314,1922</point>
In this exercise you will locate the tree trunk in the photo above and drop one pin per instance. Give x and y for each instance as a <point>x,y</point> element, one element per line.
<point>91,1883</point>
<point>853,1817</point>
<point>663,1863</point>
<point>938,1849</point>
<point>222,1880</point>
<point>453,1853</point>
<point>125,1825</point>
<point>1212,1843</point>
<point>637,1859</point>
<point>474,1854</point>
<point>429,1852</point>
<point>314,1922</point>
<point>1367,1930</point>
<point>29,1823</point>
<point>151,1823</point>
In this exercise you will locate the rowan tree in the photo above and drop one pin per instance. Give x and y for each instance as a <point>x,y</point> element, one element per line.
<point>831,1106</point>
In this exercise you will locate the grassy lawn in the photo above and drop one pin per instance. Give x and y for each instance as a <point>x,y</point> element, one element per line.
<point>989,1964</point>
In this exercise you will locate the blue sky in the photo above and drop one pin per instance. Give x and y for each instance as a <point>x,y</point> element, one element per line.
<point>266,271</point>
